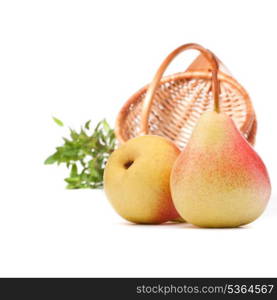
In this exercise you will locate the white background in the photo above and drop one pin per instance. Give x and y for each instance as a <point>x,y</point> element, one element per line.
<point>80,60</point>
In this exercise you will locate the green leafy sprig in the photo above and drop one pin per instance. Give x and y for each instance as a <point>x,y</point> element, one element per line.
<point>85,154</point>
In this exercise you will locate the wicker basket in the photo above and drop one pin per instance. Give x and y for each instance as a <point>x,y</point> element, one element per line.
<point>171,106</point>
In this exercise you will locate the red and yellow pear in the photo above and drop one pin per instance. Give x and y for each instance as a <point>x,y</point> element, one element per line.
<point>219,180</point>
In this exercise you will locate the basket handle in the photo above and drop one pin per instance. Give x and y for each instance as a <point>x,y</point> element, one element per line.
<point>156,80</point>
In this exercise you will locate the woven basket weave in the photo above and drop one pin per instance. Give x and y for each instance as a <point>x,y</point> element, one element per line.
<point>171,106</point>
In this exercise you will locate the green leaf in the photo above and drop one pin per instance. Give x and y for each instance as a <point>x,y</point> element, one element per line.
<point>57,121</point>
<point>106,125</point>
<point>51,159</point>
<point>71,186</point>
<point>73,134</point>
<point>87,125</point>
<point>74,171</point>
<point>73,179</point>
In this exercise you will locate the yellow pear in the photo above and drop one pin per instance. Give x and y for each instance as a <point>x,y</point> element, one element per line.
<point>219,180</point>
<point>136,179</point>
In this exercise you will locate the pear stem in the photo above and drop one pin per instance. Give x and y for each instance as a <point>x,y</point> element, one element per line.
<point>215,90</point>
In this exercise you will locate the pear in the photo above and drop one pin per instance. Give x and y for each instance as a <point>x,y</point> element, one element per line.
<point>219,180</point>
<point>137,179</point>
